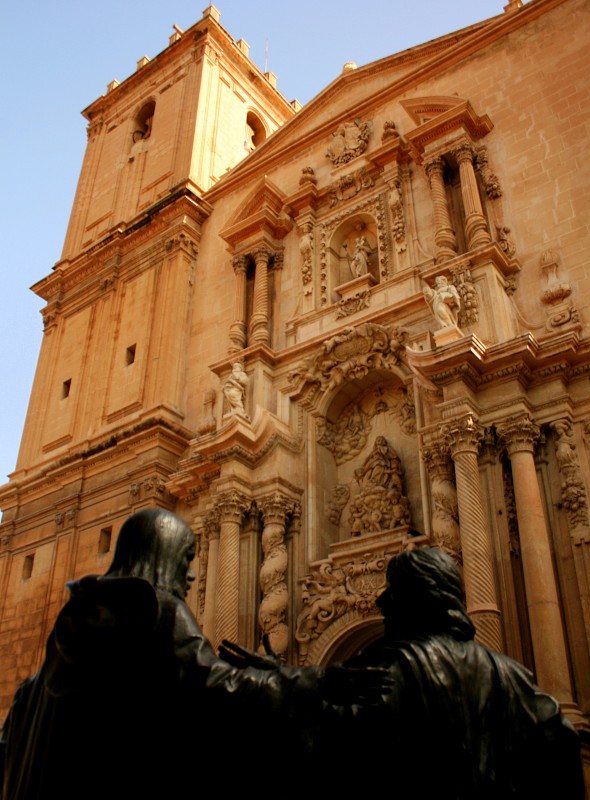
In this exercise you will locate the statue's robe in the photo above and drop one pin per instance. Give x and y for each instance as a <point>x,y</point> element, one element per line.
<point>462,723</point>
<point>132,702</point>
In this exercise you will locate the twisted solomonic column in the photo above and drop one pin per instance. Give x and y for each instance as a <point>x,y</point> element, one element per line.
<point>259,332</point>
<point>476,229</point>
<point>237,331</point>
<point>272,614</point>
<point>519,435</point>
<point>444,235</point>
<point>463,437</point>
<point>231,507</point>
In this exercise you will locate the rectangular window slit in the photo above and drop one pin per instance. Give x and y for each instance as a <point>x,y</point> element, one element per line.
<point>104,540</point>
<point>28,566</point>
<point>130,354</point>
<point>65,388</point>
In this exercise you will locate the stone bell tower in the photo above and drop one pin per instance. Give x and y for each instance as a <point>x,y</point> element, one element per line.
<point>108,414</point>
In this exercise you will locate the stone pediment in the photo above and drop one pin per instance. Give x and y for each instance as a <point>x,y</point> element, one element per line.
<point>262,212</point>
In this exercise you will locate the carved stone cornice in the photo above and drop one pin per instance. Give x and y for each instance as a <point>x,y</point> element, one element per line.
<point>458,115</point>
<point>464,434</point>
<point>518,433</point>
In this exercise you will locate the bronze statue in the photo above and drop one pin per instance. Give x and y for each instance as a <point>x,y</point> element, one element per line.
<point>462,722</point>
<point>132,701</point>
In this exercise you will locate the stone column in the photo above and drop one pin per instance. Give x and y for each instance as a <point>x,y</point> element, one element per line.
<point>272,614</point>
<point>208,582</point>
<point>463,437</point>
<point>237,331</point>
<point>259,333</point>
<point>444,235</point>
<point>519,435</point>
<point>445,516</point>
<point>232,506</point>
<point>476,229</point>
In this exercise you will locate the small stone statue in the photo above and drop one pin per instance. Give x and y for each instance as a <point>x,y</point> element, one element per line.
<point>444,301</point>
<point>234,390</point>
<point>359,264</point>
<point>462,721</point>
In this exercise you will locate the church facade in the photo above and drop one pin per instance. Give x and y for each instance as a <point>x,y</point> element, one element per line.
<point>322,335</point>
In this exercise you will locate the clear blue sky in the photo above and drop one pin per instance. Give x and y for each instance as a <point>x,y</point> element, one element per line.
<point>57,56</point>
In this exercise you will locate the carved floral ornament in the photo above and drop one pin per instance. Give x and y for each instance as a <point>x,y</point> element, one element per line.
<point>350,355</point>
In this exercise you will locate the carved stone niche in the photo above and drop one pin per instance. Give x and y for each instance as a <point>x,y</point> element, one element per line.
<point>354,256</point>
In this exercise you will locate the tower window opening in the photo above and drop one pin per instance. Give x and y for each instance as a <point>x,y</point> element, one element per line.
<point>143,122</point>
<point>255,131</point>
<point>28,566</point>
<point>65,388</point>
<point>130,354</point>
<point>104,540</point>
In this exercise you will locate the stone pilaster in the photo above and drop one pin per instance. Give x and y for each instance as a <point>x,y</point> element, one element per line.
<point>237,331</point>
<point>444,235</point>
<point>476,229</point>
<point>463,437</point>
<point>272,614</point>
<point>231,506</point>
<point>209,585</point>
<point>259,332</point>
<point>519,435</point>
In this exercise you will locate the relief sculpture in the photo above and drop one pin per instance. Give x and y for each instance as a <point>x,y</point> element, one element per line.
<point>349,141</point>
<point>346,437</point>
<point>380,504</point>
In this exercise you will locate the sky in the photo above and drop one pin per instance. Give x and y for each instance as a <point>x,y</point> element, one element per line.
<point>57,57</point>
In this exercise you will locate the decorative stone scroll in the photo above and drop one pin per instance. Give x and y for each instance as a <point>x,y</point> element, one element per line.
<point>398,225</point>
<point>349,140</point>
<point>560,311</point>
<point>490,181</point>
<point>350,355</point>
<point>380,505</point>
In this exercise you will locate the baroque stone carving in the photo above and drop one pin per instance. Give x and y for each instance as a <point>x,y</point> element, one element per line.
<point>306,248</point>
<point>234,389</point>
<point>307,176</point>
<point>445,517</point>
<point>463,282</point>
<point>559,310</point>
<point>208,423</point>
<point>398,225</point>
<point>349,141</point>
<point>351,354</point>
<point>444,301</point>
<point>338,499</point>
<point>329,592</point>
<point>380,504</point>
<point>346,437</point>
<point>573,491</point>
<point>490,181</point>
<point>272,614</point>
<point>359,262</point>
<point>347,186</point>
<point>505,241</point>
<point>350,305</point>
<point>389,130</point>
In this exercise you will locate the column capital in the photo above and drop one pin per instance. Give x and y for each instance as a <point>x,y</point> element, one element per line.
<point>437,458</point>
<point>231,506</point>
<point>434,165</point>
<point>262,253</point>
<point>463,152</point>
<point>463,435</point>
<point>240,263</point>
<point>275,507</point>
<point>518,433</point>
